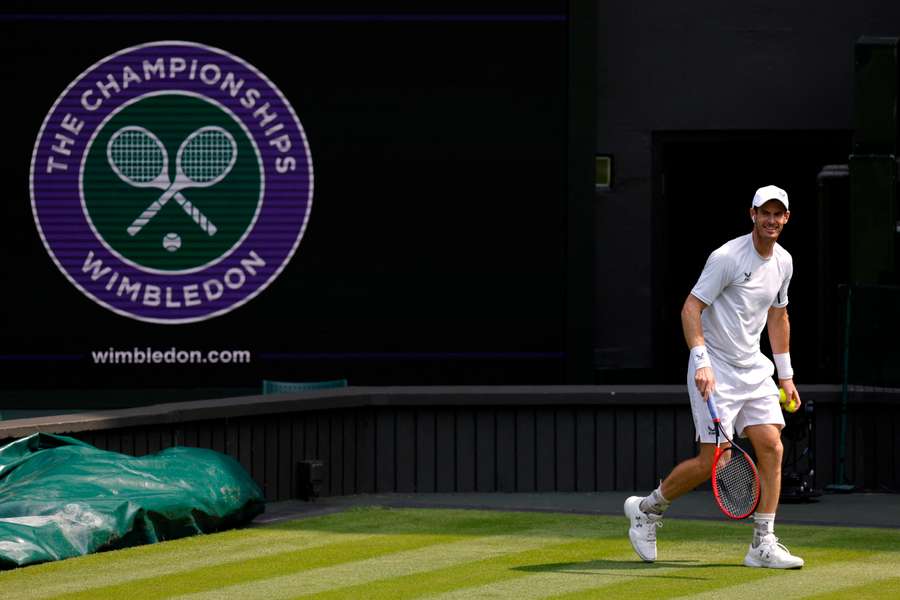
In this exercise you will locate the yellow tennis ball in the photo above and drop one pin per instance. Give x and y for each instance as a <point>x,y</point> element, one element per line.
<point>788,406</point>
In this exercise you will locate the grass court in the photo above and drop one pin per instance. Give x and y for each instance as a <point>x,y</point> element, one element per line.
<point>384,553</point>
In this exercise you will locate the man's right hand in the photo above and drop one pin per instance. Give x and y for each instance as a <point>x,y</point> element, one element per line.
<point>705,381</point>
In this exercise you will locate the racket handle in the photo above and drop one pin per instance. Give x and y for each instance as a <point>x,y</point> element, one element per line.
<point>144,218</point>
<point>711,405</point>
<point>194,213</point>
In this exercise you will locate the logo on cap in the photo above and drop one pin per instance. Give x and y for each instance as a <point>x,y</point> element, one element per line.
<point>171,182</point>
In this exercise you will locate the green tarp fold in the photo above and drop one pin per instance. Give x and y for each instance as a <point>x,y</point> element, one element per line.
<point>60,497</point>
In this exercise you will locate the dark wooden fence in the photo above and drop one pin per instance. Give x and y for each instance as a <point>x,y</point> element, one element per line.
<point>484,439</point>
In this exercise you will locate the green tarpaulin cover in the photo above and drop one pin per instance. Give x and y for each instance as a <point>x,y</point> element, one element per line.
<point>60,497</point>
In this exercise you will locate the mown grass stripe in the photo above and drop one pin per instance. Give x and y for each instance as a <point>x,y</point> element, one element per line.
<point>224,575</point>
<point>461,522</point>
<point>362,575</point>
<point>126,566</point>
<point>594,566</point>
<point>475,579</point>
<point>885,588</point>
<point>622,575</point>
<point>815,579</point>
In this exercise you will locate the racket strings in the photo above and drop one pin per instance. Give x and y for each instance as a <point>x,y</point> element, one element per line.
<point>207,156</point>
<point>737,484</point>
<point>137,156</point>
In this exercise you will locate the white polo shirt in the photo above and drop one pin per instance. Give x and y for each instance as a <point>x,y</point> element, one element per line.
<point>739,286</point>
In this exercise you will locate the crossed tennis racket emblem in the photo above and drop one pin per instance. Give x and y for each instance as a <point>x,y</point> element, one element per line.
<point>141,160</point>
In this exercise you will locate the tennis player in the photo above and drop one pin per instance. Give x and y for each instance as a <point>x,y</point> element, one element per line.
<point>743,287</point>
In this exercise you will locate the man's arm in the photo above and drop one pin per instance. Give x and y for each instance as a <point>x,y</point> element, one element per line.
<point>779,327</point>
<point>690,321</point>
<point>692,326</point>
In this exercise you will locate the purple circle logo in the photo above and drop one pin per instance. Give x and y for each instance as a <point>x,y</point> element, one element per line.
<point>171,182</point>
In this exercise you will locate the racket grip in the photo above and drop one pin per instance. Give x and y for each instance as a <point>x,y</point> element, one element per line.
<point>711,405</point>
<point>144,218</point>
<point>198,217</point>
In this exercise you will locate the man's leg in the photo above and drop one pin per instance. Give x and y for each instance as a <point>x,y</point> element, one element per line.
<point>645,513</point>
<point>689,474</point>
<point>766,440</point>
<point>765,551</point>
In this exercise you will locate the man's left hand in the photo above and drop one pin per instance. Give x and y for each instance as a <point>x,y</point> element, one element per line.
<point>790,391</point>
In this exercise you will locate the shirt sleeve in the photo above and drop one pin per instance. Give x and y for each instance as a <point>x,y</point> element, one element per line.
<point>781,298</point>
<point>717,274</point>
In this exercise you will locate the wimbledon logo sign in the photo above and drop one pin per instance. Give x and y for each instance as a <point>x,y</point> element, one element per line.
<point>171,182</point>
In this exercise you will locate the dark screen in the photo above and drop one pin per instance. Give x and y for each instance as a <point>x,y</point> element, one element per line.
<point>435,247</point>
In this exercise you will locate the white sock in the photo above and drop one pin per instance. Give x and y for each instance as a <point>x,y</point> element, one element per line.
<point>763,524</point>
<point>654,503</point>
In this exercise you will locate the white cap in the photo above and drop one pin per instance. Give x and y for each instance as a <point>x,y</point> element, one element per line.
<point>770,192</point>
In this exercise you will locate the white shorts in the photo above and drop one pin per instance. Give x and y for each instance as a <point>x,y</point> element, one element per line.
<point>741,398</point>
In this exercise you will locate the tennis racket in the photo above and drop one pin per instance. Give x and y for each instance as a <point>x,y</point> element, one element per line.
<point>735,480</point>
<point>140,159</point>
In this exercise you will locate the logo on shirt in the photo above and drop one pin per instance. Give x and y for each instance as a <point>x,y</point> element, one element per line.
<point>747,276</point>
<point>710,430</point>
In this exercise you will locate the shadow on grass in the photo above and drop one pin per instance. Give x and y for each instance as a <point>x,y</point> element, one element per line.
<point>595,567</point>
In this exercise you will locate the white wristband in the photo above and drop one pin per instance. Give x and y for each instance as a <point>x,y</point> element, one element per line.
<point>783,364</point>
<point>700,357</point>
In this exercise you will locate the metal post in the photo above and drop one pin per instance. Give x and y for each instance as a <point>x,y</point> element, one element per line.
<point>841,485</point>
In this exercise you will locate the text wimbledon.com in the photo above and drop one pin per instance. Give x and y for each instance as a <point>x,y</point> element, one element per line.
<point>169,356</point>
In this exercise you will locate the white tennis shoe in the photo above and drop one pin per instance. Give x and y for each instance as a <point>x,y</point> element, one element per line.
<point>772,555</point>
<point>642,531</point>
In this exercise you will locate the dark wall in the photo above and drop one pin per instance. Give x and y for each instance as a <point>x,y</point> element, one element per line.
<point>708,67</point>
<point>489,439</point>
<point>439,449</point>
